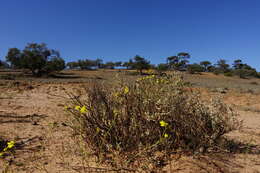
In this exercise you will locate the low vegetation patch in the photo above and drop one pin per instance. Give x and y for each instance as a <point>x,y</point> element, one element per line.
<point>124,122</point>
<point>6,147</point>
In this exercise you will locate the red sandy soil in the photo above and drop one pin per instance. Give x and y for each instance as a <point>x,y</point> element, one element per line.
<point>35,116</point>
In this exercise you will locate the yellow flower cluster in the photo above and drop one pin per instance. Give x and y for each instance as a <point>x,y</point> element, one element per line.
<point>77,108</point>
<point>166,135</point>
<point>163,123</point>
<point>162,81</point>
<point>82,109</point>
<point>126,90</point>
<point>145,78</point>
<point>9,146</point>
<point>157,80</point>
<point>150,71</point>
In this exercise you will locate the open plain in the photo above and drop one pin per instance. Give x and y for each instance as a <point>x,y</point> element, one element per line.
<point>32,114</point>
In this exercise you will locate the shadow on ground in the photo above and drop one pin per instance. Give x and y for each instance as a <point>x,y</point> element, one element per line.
<point>10,118</point>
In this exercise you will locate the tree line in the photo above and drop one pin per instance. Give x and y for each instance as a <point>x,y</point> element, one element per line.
<point>40,60</point>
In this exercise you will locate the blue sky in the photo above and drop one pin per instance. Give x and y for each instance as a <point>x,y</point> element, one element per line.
<point>119,29</point>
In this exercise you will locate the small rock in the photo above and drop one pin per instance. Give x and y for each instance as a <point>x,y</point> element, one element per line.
<point>35,123</point>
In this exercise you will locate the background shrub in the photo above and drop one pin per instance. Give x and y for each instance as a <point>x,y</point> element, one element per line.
<point>152,114</point>
<point>245,73</point>
<point>228,74</point>
<point>162,68</point>
<point>54,65</point>
<point>195,68</point>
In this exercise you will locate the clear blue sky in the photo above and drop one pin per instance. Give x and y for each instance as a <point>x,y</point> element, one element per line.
<point>120,29</point>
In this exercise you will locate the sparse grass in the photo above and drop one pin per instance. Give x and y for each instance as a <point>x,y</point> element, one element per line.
<point>253,83</point>
<point>250,109</point>
<point>234,146</point>
<point>205,80</point>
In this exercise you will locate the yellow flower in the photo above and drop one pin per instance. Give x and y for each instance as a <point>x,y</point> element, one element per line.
<point>1,154</point>
<point>66,107</point>
<point>166,135</point>
<point>126,90</point>
<point>10,144</point>
<point>83,110</point>
<point>77,108</point>
<point>163,123</point>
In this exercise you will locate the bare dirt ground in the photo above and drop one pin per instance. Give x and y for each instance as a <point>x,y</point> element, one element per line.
<point>32,114</point>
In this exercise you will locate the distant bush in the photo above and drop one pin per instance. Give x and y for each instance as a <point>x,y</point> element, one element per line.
<point>243,70</point>
<point>228,74</point>
<point>244,73</point>
<point>3,65</point>
<point>133,73</point>
<point>211,68</point>
<point>135,120</point>
<point>161,68</point>
<point>217,71</point>
<point>258,74</point>
<point>195,68</point>
<point>222,66</point>
<point>55,64</point>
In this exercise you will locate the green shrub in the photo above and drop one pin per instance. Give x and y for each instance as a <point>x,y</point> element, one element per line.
<point>228,74</point>
<point>135,120</point>
<point>55,64</point>
<point>133,73</point>
<point>245,73</point>
<point>258,75</point>
<point>161,68</point>
<point>195,68</point>
<point>217,71</point>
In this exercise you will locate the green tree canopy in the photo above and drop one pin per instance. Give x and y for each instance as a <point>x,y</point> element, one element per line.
<point>140,63</point>
<point>195,68</point>
<point>178,62</point>
<point>237,64</point>
<point>4,64</point>
<point>72,65</point>
<point>14,56</point>
<point>206,65</point>
<point>38,58</point>
<point>222,65</point>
